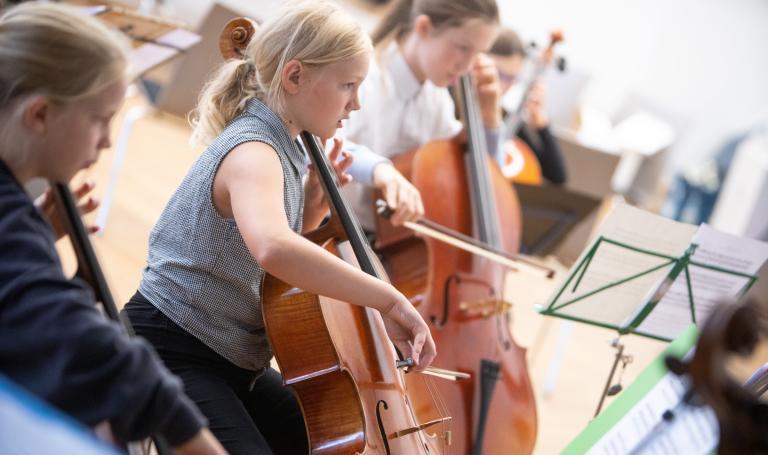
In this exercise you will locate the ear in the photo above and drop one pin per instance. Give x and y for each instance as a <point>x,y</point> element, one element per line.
<point>36,114</point>
<point>292,76</point>
<point>422,25</point>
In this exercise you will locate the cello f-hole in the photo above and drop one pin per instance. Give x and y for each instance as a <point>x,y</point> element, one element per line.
<point>383,432</point>
<point>446,301</point>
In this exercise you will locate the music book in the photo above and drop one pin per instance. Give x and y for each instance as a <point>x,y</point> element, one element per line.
<point>652,276</point>
<point>651,416</point>
<point>154,40</point>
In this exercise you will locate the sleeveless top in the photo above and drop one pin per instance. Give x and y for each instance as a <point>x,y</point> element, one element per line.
<point>200,273</point>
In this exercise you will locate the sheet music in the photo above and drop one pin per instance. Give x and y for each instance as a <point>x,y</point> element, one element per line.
<point>179,38</point>
<point>673,313</point>
<point>171,44</point>
<point>612,263</point>
<point>643,430</point>
<point>147,56</point>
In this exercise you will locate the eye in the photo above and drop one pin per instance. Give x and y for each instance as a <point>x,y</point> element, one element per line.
<point>349,85</point>
<point>463,48</point>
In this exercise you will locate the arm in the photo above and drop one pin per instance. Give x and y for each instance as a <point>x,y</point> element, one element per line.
<point>56,344</point>
<point>364,163</point>
<point>375,170</point>
<point>493,141</point>
<point>547,152</point>
<point>486,78</point>
<point>252,177</point>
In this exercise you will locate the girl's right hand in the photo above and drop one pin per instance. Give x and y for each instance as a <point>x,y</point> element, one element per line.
<point>410,333</point>
<point>400,194</point>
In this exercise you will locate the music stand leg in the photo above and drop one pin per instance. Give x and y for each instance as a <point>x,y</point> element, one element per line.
<point>619,355</point>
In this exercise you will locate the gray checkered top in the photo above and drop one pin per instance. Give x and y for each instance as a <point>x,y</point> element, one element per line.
<point>200,273</point>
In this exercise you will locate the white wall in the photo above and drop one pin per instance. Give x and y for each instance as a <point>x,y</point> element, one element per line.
<point>705,61</point>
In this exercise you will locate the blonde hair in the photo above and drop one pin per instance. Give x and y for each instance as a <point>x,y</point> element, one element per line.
<point>398,21</point>
<point>56,51</point>
<point>314,33</point>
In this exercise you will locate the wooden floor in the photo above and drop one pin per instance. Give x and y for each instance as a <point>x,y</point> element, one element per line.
<point>569,363</point>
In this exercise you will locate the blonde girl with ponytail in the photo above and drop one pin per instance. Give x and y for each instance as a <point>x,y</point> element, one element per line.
<point>239,213</point>
<point>62,78</point>
<point>422,47</point>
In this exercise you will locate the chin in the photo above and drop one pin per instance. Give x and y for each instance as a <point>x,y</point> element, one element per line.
<point>442,82</point>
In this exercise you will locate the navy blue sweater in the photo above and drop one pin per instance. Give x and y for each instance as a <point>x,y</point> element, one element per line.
<point>56,344</point>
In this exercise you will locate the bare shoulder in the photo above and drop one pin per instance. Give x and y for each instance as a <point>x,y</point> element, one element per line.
<point>249,169</point>
<point>250,160</point>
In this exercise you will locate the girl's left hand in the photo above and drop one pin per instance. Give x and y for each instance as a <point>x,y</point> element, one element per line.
<point>313,190</point>
<point>486,78</point>
<point>46,204</point>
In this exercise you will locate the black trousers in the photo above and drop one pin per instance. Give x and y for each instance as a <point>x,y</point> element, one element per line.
<point>249,412</point>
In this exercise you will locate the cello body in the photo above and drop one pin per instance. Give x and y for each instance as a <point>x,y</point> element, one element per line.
<point>341,365</point>
<point>460,295</point>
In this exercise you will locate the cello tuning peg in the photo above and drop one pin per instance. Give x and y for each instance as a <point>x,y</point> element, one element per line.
<point>383,209</point>
<point>561,64</point>
<point>404,363</point>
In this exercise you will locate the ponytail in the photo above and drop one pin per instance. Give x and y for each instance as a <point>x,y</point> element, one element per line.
<point>315,33</point>
<point>223,98</point>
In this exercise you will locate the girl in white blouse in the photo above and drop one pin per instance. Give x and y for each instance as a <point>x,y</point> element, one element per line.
<point>423,46</point>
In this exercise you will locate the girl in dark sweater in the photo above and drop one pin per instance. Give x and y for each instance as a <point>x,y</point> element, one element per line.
<point>62,78</point>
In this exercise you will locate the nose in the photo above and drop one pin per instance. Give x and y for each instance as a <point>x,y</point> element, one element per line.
<point>354,103</point>
<point>105,141</point>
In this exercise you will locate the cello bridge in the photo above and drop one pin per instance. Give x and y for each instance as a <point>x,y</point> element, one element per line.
<point>423,426</point>
<point>485,308</point>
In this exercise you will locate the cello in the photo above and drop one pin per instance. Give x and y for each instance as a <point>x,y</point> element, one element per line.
<point>337,357</point>
<point>460,294</point>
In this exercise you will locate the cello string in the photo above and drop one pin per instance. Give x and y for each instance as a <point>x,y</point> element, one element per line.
<point>442,409</point>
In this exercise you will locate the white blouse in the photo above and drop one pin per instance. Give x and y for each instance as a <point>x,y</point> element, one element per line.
<point>397,114</point>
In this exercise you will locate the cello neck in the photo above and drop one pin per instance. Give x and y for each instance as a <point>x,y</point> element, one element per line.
<point>340,208</point>
<point>484,214</point>
<point>88,268</point>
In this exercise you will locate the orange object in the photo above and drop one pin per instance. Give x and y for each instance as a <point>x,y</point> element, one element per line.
<point>520,163</point>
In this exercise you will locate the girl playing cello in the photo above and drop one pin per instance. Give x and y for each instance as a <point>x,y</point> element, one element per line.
<point>239,214</point>
<point>423,46</point>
